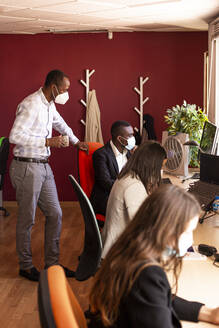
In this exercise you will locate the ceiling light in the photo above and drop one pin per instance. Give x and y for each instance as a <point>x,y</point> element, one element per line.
<point>110,35</point>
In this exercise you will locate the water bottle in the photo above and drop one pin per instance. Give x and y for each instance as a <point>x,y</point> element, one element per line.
<point>215,205</point>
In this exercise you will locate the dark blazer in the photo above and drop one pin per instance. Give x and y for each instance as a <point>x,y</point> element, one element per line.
<point>150,304</point>
<point>106,171</point>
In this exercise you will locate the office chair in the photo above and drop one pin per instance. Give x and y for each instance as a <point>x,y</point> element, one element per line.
<point>86,173</point>
<point>58,306</point>
<point>4,151</point>
<point>89,259</point>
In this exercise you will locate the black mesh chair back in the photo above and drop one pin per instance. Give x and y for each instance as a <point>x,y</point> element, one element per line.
<point>90,257</point>
<point>4,151</point>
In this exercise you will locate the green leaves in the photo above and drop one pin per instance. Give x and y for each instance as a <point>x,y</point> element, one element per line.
<point>188,119</point>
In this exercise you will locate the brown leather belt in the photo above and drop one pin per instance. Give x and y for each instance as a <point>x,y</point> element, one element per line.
<point>31,160</point>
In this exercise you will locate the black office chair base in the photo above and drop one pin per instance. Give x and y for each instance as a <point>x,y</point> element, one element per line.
<point>6,213</point>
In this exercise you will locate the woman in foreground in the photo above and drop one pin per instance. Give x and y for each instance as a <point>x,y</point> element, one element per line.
<point>131,287</point>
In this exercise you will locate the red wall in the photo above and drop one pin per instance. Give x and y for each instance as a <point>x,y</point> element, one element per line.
<point>172,61</point>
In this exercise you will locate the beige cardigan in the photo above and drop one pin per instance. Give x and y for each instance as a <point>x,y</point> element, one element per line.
<point>93,130</point>
<point>125,198</point>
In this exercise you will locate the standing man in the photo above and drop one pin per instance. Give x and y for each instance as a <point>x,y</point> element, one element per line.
<point>108,162</point>
<point>30,173</point>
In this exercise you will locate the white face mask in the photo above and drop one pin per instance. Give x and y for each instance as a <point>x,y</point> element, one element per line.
<point>183,244</point>
<point>131,143</point>
<point>61,98</point>
<point>185,240</point>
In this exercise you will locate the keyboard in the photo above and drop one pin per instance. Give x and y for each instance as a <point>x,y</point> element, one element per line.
<point>166,181</point>
<point>195,176</point>
<point>204,192</point>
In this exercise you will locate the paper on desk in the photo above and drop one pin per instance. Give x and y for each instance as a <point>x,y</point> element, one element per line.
<point>195,255</point>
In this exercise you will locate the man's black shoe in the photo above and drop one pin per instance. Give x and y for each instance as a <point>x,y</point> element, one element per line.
<point>31,274</point>
<point>68,273</point>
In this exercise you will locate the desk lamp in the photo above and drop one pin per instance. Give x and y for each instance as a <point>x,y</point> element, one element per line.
<point>193,143</point>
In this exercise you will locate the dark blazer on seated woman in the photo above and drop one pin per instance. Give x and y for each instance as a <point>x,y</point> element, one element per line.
<point>151,294</point>
<point>106,171</point>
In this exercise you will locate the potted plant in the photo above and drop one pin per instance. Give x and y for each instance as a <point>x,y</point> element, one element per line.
<point>188,119</point>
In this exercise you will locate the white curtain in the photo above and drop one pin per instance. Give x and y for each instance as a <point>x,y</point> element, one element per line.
<point>213,90</point>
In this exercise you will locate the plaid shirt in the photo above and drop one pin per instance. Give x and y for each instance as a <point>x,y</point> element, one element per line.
<point>35,119</point>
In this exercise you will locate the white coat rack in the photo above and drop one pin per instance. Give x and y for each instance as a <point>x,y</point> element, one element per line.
<point>87,86</point>
<point>142,101</point>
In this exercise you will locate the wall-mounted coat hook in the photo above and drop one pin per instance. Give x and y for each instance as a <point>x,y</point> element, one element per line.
<point>87,86</point>
<point>142,101</point>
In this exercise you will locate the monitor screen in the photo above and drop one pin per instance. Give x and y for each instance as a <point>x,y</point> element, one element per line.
<point>208,138</point>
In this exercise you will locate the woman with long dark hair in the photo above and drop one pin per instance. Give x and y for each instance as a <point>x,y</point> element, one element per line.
<point>131,288</point>
<point>140,176</point>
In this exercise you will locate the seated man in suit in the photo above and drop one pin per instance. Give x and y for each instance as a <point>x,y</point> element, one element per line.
<point>108,162</point>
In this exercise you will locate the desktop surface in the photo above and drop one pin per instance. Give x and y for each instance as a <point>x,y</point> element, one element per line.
<point>199,279</point>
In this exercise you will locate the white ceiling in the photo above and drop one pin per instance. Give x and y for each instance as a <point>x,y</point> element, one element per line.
<point>58,16</point>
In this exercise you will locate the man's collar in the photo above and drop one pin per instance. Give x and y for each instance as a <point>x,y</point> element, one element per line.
<point>116,151</point>
<point>44,100</point>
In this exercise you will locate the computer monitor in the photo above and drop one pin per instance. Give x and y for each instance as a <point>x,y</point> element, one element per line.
<point>209,168</point>
<point>208,142</point>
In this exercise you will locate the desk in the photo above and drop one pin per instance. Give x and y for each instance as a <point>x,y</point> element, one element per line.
<point>199,279</point>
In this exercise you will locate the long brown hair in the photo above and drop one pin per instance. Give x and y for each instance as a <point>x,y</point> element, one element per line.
<point>146,164</point>
<point>162,218</point>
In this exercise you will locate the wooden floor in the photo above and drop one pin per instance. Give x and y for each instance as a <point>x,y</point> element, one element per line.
<point>18,296</point>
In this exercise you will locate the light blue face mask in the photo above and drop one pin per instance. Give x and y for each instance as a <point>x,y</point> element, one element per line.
<point>183,244</point>
<point>168,252</point>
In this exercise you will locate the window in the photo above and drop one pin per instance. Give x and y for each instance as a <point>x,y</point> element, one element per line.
<point>205,87</point>
<point>213,73</point>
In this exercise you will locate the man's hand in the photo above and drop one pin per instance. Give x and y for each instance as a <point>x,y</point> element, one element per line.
<point>82,146</point>
<point>57,142</point>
